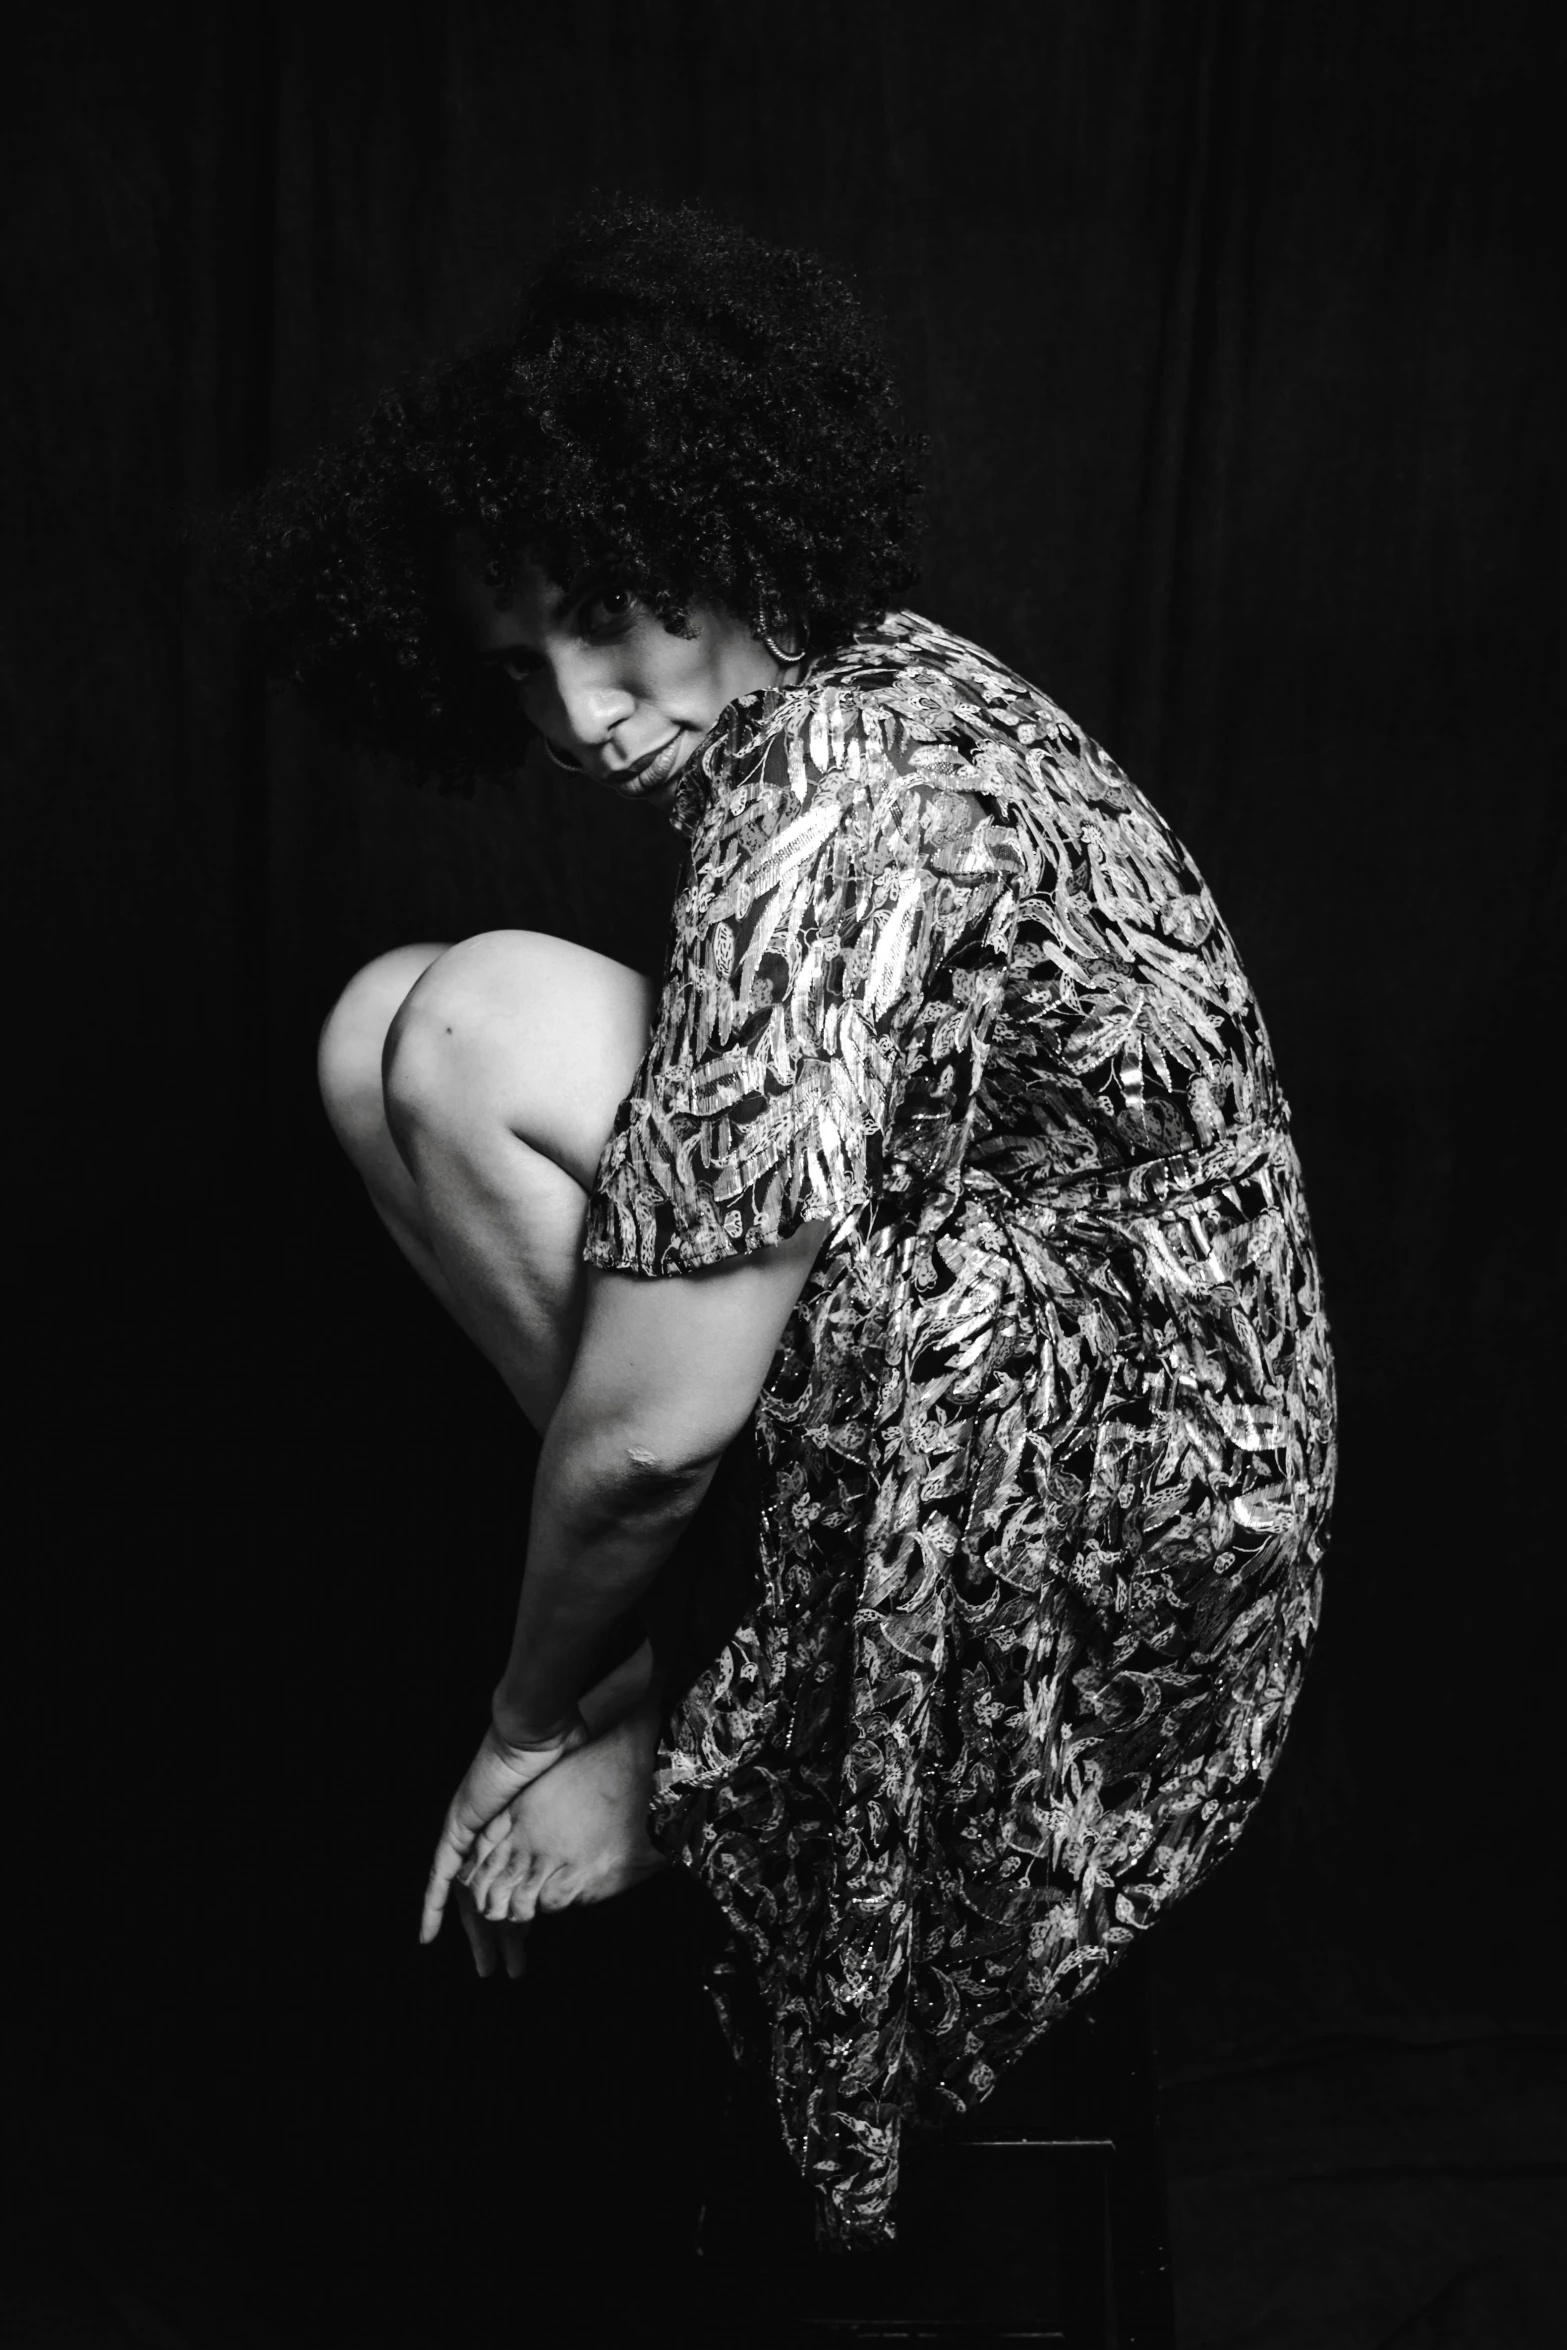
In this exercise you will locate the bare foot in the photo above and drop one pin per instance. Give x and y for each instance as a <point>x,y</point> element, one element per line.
<point>585,1819</point>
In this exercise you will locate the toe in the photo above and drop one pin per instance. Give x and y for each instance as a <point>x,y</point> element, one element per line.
<point>558,1891</point>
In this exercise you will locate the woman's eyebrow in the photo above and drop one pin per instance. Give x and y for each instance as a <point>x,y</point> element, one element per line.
<point>583,583</point>
<point>565,601</point>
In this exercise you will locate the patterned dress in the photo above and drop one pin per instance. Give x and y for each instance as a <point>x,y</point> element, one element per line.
<point>1047,1449</point>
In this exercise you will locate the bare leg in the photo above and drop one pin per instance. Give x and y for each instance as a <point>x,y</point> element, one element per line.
<point>473,1088</point>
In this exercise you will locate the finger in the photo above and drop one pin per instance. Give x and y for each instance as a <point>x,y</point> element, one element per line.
<point>494,1876</point>
<point>503,1859</point>
<point>434,1905</point>
<point>449,1856</point>
<point>491,1834</point>
<point>495,1847</point>
<point>480,1939</point>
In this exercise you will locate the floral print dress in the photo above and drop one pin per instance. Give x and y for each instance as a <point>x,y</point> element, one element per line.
<point>1047,1449</point>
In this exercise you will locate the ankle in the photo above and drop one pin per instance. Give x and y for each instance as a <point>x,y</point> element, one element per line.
<point>621,1692</point>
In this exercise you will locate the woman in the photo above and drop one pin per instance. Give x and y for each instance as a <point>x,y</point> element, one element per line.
<point>946,1161</point>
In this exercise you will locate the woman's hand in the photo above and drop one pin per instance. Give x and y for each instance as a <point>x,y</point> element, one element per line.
<point>578,1833</point>
<point>477,1818</point>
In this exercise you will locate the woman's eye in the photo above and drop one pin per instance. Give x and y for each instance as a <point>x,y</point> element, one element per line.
<point>606,607</point>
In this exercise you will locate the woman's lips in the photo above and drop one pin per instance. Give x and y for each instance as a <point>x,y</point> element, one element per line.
<point>651,773</point>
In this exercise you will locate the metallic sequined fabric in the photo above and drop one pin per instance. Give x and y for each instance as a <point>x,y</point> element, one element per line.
<point>1048,1447</point>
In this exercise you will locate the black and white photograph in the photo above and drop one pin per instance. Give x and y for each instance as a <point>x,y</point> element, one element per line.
<point>787,913</point>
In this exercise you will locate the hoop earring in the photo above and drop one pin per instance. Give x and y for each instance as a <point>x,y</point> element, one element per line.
<point>786,660</point>
<point>567,766</point>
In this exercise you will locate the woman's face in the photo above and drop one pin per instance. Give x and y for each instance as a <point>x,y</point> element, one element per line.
<point>602,678</point>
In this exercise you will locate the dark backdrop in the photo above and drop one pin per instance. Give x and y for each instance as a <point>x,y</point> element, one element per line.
<point>1236,332</point>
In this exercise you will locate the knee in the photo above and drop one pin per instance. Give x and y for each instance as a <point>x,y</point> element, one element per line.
<point>446,1030</point>
<point>353,1044</point>
<point>515,1033</point>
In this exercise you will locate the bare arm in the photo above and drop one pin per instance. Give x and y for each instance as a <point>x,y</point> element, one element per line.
<point>664,1378</point>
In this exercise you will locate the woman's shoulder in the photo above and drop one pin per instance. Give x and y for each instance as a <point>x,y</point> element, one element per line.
<point>942,689</point>
<point>905,702</point>
<point>907,649</point>
<point>912,668</point>
<point>934,701</point>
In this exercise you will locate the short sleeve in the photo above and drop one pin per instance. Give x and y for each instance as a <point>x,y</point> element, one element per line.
<point>834,878</point>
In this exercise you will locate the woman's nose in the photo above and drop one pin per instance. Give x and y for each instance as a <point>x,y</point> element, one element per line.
<point>592,706</point>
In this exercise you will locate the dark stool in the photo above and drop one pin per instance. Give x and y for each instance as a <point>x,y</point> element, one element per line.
<point>1038,2219</point>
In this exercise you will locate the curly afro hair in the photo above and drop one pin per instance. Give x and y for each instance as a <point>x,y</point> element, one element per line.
<point>707,417</point>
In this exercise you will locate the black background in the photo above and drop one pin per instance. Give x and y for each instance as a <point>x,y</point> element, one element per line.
<point>1237,334</point>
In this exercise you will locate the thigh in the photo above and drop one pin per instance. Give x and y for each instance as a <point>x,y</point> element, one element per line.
<point>523,1029</point>
<point>350,1051</point>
